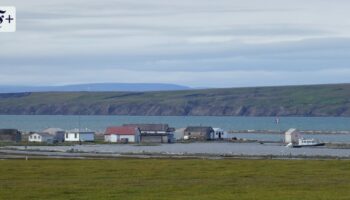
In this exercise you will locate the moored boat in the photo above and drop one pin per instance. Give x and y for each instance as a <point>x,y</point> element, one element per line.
<point>302,142</point>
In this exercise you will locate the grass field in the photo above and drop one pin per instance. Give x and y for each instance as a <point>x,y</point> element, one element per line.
<point>174,179</point>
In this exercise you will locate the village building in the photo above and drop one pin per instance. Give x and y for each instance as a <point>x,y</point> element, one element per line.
<point>41,137</point>
<point>10,135</point>
<point>179,134</point>
<point>154,133</point>
<point>79,136</point>
<point>199,133</point>
<point>123,134</point>
<point>291,136</point>
<point>57,133</point>
<point>219,134</point>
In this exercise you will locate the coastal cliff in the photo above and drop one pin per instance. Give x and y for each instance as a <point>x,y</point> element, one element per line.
<point>314,100</point>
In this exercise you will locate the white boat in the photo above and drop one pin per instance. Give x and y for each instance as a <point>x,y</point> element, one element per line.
<point>302,142</point>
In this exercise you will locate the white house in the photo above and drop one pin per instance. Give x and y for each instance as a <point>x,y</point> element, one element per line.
<point>41,137</point>
<point>79,136</point>
<point>291,136</point>
<point>56,132</point>
<point>122,134</point>
<point>219,134</point>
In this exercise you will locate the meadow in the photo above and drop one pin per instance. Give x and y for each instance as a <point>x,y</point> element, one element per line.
<point>175,179</point>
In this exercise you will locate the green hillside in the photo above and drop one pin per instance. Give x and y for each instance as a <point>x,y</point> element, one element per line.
<point>315,100</point>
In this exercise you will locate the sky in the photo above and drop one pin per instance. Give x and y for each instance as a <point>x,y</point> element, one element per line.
<point>198,43</point>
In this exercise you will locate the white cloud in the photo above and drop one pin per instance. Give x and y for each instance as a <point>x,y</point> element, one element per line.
<point>155,38</point>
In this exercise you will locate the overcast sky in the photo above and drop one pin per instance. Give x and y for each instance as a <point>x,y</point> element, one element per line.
<point>199,43</point>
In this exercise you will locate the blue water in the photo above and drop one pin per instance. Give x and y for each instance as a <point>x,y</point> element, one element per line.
<point>99,123</point>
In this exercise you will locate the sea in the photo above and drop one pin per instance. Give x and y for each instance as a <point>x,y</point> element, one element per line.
<point>99,123</point>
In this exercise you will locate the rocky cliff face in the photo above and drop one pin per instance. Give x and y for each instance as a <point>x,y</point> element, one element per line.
<point>325,100</point>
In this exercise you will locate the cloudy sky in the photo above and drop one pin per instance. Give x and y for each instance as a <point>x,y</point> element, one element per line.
<point>199,43</point>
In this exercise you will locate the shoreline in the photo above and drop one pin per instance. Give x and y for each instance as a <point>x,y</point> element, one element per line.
<point>29,155</point>
<point>188,150</point>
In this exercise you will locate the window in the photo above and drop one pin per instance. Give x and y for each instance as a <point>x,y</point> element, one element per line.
<point>66,135</point>
<point>34,136</point>
<point>75,135</point>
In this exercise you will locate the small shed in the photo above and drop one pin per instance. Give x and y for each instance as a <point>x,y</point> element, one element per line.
<point>10,135</point>
<point>79,136</point>
<point>41,137</point>
<point>199,132</point>
<point>123,134</point>
<point>291,136</point>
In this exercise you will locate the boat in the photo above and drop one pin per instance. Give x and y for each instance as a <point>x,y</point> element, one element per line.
<point>302,142</point>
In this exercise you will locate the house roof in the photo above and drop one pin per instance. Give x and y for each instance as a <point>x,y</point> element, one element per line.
<point>199,129</point>
<point>121,130</point>
<point>152,127</point>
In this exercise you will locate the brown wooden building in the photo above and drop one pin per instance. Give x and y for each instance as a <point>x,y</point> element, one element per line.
<point>199,132</point>
<point>155,133</point>
<point>10,135</point>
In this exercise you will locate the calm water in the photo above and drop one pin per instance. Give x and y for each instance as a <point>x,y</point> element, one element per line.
<point>99,123</point>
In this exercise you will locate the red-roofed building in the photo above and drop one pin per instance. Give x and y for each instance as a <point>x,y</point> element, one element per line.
<point>122,134</point>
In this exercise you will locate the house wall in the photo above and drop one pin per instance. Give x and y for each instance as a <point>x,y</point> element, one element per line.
<point>217,133</point>
<point>76,137</point>
<point>10,135</point>
<point>170,138</point>
<point>157,138</point>
<point>39,138</point>
<point>130,138</point>
<point>59,136</point>
<point>119,138</point>
<point>71,137</point>
<point>197,135</point>
<point>87,137</point>
<point>35,138</point>
<point>110,138</point>
<point>291,137</point>
<point>152,139</point>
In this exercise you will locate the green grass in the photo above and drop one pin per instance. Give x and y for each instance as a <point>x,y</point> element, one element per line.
<point>174,179</point>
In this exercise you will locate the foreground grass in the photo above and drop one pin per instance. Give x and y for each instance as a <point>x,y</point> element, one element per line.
<point>174,179</point>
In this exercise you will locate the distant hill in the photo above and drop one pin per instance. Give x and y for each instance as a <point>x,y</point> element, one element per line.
<point>314,100</point>
<point>95,87</point>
